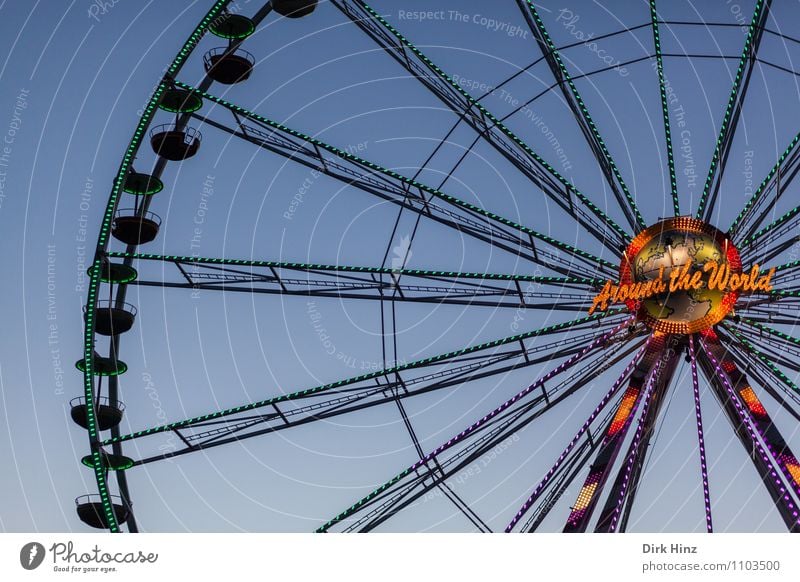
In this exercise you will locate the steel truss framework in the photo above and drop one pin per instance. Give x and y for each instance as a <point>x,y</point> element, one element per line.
<point>609,452</point>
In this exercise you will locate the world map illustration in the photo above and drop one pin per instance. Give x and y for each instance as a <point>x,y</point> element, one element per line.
<point>672,250</point>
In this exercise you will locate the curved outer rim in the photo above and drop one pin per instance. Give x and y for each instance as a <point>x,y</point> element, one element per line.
<point>686,224</point>
<point>102,245</point>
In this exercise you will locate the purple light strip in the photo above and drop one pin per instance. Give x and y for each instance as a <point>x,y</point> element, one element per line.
<point>781,460</point>
<point>460,436</point>
<point>540,487</point>
<point>747,422</point>
<point>554,372</point>
<point>700,437</point>
<point>637,438</point>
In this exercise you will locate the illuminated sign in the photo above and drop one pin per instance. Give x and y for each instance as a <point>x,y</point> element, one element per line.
<point>712,276</point>
<point>681,275</point>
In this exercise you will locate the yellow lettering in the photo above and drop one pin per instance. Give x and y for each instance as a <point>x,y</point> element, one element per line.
<point>719,278</point>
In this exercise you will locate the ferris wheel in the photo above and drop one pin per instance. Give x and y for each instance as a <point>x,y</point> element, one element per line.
<point>640,296</point>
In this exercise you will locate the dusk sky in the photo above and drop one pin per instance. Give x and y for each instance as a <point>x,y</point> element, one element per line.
<point>75,78</point>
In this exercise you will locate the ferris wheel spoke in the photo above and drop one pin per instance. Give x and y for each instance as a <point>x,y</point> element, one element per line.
<point>375,283</point>
<point>620,499</point>
<point>772,253</point>
<point>461,355</point>
<point>753,425</point>
<point>773,234</point>
<point>389,185</point>
<point>770,382</point>
<point>673,181</point>
<point>391,389</point>
<point>504,426</point>
<point>778,345</point>
<point>768,348</point>
<point>499,413</point>
<point>563,478</point>
<point>733,110</point>
<point>640,388</point>
<point>533,166</point>
<point>582,116</point>
<point>564,458</point>
<point>700,436</point>
<point>782,340</point>
<point>494,432</point>
<point>571,462</point>
<point>780,307</point>
<point>752,349</point>
<point>787,272</point>
<point>774,318</point>
<point>777,180</point>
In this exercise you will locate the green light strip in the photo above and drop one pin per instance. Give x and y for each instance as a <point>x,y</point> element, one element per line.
<point>731,102</point>
<point>789,265</point>
<point>438,194</point>
<point>325,387</point>
<point>351,269</point>
<point>775,223</point>
<point>102,242</point>
<point>585,111</point>
<point>673,180</point>
<point>777,371</point>
<point>762,187</point>
<point>772,331</point>
<point>785,293</point>
<point>499,124</point>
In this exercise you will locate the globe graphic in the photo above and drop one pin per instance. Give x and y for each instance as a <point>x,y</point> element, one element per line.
<point>672,250</point>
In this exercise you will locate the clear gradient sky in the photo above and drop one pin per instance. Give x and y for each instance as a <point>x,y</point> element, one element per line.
<point>74,80</point>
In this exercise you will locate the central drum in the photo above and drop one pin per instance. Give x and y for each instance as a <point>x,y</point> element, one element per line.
<point>678,249</point>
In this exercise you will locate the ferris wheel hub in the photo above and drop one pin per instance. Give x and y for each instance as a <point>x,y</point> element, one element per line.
<point>685,275</point>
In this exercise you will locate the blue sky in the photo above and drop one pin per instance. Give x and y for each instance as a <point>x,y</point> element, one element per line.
<point>74,81</point>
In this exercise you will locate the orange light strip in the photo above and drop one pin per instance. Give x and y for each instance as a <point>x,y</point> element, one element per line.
<point>623,412</point>
<point>794,469</point>
<point>585,496</point>
<point>752,402</point>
